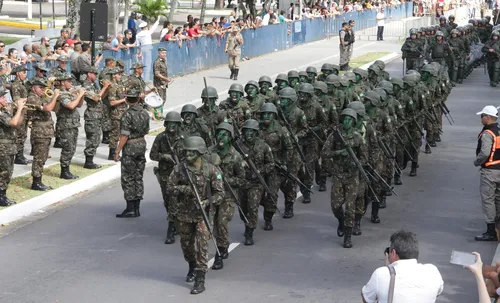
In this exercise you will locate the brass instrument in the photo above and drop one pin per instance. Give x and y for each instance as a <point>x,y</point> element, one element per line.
<point>50,86</point>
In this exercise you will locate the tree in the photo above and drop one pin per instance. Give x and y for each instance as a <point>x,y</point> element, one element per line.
<point>151,8</point>
<point>74,15</point>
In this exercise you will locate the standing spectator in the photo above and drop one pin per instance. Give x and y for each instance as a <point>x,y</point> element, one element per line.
<point>131,26</point>
<point>350,47</point>
<point>167,26</point>
<point>380,24</point>
<point>44,46</point>
<point>75,70</point>
<point>290,11</point>
<point>488,158</point>
<point>267,17</point>
<point>64,36</point>
<point>345,40</point>
<point>26,54</point>
<point>107,44</point>
<point>415,282</point>
<point>36,54</point>
<point>145,44</point>
<point>224,23</point>
<point>190,18</point>
<point>84,60</point>
<point>249,21</point>
<point>281,16</point>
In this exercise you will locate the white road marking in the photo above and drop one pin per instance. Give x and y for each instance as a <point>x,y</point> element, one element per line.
<point>126,236</point>
<point>231,247</point>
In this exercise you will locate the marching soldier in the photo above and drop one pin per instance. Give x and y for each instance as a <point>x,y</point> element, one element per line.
<point>265,89</point>
<point>255,100</point>
<point>233,50</point>
<point>312,73</point>
<point>165,150</point>
<point>8,125</point>
<point>236,108</point>
<point>18,91</point>
<point>194,232</point>
<point>134,126</point>
<point>491,49</point>
<point>209,112</point>
<point>412,51</point>
<point>191,126</point>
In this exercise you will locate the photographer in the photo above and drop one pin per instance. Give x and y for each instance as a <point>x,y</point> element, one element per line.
<point>414,282</point>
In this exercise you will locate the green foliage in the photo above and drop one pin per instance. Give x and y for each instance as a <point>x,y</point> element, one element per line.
<point>151,8</point>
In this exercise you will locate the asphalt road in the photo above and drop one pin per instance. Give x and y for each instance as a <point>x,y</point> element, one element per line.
<point>79,252</point>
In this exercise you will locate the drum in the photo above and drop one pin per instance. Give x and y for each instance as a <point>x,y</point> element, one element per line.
<point>156,103</point>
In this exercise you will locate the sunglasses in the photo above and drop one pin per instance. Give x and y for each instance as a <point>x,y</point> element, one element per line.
<point>2,45</point>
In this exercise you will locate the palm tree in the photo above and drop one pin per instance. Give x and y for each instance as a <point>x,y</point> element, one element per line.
<point>151,8</point>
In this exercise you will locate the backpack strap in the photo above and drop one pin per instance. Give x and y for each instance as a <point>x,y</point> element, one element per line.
<point>392,283</point>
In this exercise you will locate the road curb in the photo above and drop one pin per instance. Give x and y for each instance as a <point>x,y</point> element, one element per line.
<point>21,24</point>
<point>18,211</point>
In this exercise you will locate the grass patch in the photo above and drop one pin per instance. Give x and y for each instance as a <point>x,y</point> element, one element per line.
<point>156,132</point>
<point>367,58</point>
<point>9,40</point>
<point>20,187</point>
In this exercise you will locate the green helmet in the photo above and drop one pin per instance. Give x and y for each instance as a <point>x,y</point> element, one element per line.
<point>381,92</point>
<point>226,126</point>
<point>209,92</point>
<point>495,33</point>
<point>411,80</point>
<point>374,98</point>
<point>321,86</point>
<point>414,72</point>
<point>269,108</point>
<point>281,77</point>
<point>265,79</point>
<point>455,31</point>
<point>344,81</point>
<point>358,106</point>
<point>430,69</point>
<point>327,67</point>
<point>351,76</point>
<point>303,73</point>
<point>311,69</point>
<point>387,86</point>
<point>173,117</point>
<point>195,143</point>
<point>422,29</point>
<point>397,81</point>
<point>306,88</point>
<point>350,112</point>
<point>251,124</point>
<point>413,31</point>
<point>236,87</point>
<point>419,30</point>
<point>439,33</point>
<point>288,93</point>
<point>333,79</point>
<point>252,82</point>
<point>336,68</point>
<point>293,74</point>
<point>189,108</point>
<point>375,69</point>
<point>361,72</point>
<point>380,64</point>
<point>451,17</point>
<point>442,18</point>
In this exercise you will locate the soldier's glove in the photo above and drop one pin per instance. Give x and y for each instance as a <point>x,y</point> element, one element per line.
<point>167,158</point>
<point>205,204</point>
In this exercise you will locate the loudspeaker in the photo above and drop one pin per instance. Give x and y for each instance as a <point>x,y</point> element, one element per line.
<point>100,19</point>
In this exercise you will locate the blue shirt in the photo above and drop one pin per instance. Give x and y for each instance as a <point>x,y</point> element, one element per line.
<point>131,24</point>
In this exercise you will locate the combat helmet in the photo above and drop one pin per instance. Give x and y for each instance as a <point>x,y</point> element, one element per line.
<point>209,92</point>
<point>351,76</point>
<point>306,88</point>
<point>374,98</point>
<point>265,79</point>
<point>226,126</point>
<point>333,80</point>
<point>236,87</point>
<point>195,143</point>
<point>292,74</point>
<point>455,31</point>
<point>387,86</point>
<point>358,106</point>
<point>269,108</point>
<point>439,33</point>
<point>312,70</point>
<point>350,112</point>
<point>173,117</point>
<point>413,31</point>
<point>189,108</point>
<point>320,85</point>
<point>281,77</point>
<point>361,72</point>
<point>253,83</point>
<point>397,81</point>
<point>251,124</point>
<point>381,92</point>
<point>411,80</point>
<point>327,67</point>
<point>288,93</point>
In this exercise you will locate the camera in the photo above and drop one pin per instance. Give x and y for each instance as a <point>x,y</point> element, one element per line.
<point>386,251</point>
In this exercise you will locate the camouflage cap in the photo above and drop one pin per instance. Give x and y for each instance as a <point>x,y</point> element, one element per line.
<point>120,62</point>
<point>18,69</point>
<point>113,71</point>
<point>91,69</point>
<point>38,81</point>
<point>133,93</point>
<point>63,58</point>
<point>109,59</point>
<point>41,66</point>
<point>64,76</point>
<point>137,65</point>
<point>162,49</point>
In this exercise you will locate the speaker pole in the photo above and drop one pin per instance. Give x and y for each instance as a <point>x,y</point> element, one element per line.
<point>92,35</point>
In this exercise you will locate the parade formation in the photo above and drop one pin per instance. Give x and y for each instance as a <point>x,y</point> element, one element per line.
<point>362,129</point>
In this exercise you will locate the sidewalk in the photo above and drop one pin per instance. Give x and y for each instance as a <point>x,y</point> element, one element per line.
<point>185,90</point>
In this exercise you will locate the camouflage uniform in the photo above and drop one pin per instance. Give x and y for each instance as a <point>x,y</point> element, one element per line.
<point>106,107</point>
<point>93,117</point>
<point>7,151</point>
<point>68,122</point>
<point>235,113</point>
<point>116,92</point>
<point>192,126</point>
<point>412,50</point>
<point>18,90</point>
<point>254,101</point>
<point>160,68</point>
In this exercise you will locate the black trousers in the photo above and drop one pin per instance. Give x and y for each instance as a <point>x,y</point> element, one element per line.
<point>380,33</point>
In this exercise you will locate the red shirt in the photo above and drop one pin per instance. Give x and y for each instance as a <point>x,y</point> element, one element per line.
<point>191,32</point>
<point>70,42</point>
<point>168,36</point>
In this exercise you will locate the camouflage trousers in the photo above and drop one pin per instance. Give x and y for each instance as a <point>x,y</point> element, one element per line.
<point>250,198</point>
<point>57,133</point>
<point>274,182</point>
<point>22,135</point>
<point>388,167</point>
<point>106,120</point>
<point>162,92</point>
<point>194,243</point>
<point>68,139</point>
<point>41,149</point>
<point>415,129</point>
<point>345,191</point>
<point>344,55</point>
<point>132,172</point>
<point>430,126</point>
<point>402,156</point>
<point>169,207</point>
<point>223,215</point>
<point>288,187</point>
<point>361,198</point>
<point>6,170</point>
<point>438,127</point>
<point>311,152</point>
<point>320,169</point>
<point>413,63</point>
<point>114,136</point>
<point>93,134</point>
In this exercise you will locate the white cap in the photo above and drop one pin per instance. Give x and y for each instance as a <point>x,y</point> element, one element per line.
<point>489,110</point>
<point>143,24</point>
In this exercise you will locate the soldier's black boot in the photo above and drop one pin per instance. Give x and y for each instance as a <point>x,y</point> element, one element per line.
<point>224,253</point>
<point>248,236</point>
<point>288,210</point>
<point>322,185</point>
<point>218,263</point>
<point>460,76</point>
<point>437,138</point>
<point>137,205</point>
<point>170,239</point>
<point>375,206</point>
<point>236,71</point>
<point>383,201</point>
<point>306,197</point>
<point>129,212</point>
<point>190,274</point>
<point>388,193</point>
<point>356,231</point>
<point>38,185</point>
<point>199,283</point>
<point>340,217</point>
<point>105,137</point>
<point>21,159</point>
<point>66,174</point>
<point>428,149</point>
<point>232,74</point>
<point>268,219</point>
<point>111,155</point>
<point>4,201</point>
<point>347,238</point>
<point>57,143</point>
<point>89,163</point>
<point>397,179</point>
<point>413,171</point>
<point>489,235</point>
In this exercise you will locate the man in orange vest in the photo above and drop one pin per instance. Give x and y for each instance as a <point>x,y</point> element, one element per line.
<point>488,158</point>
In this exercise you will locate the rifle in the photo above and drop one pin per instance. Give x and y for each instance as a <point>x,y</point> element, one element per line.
<point>422,133</point>
<point>403,145</point>
<point>446,110</point>
<point>235,197</point>
<point>211,126</point>
<point>389,154</point>
<point>407,133</point>
<point>316,135</point>
<point>356,161</point>
<point>172,152</point>
<point>284,172</point>
<point>295,141</point>
<point>198,203</point>
<point>377,177</point>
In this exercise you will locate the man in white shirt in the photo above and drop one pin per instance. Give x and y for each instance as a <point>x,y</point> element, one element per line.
<point>267,17</point>
<point>145,44</point>
<point>415,282</point>
<point>380,24</point>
